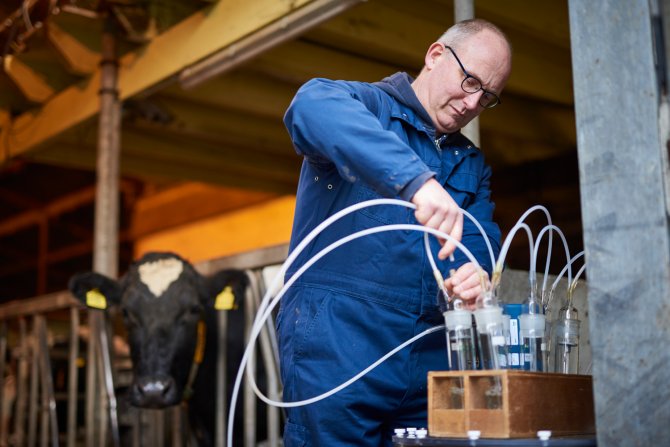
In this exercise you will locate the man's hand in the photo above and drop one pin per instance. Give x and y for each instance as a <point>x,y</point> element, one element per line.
<point>436,209</point>
<point>466,284</point>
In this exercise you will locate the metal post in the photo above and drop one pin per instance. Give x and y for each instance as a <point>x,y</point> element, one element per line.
<point>271,366</point>
<point>21,384</point>
<point>73,379</point>
<point>626,229</point>
<point>49,418</point>
<point>33,405</point>
<point>105,241</point>
<point>221,416</point>
<point>249,397</point>
<point>3,355</point>
<point>464,10</point>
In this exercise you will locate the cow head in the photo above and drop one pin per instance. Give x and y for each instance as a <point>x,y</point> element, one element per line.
<point>163,301</point>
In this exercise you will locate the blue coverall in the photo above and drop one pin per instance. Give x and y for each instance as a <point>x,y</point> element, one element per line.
<point>362,141</point>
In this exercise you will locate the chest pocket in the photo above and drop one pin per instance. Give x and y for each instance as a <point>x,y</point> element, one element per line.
<point>462,186</point>
<point>385,214</point>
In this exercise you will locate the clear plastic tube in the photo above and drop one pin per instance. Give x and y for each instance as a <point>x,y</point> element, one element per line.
<point>495,280</point>
<point>544,230</point>
<point>550,244</point>
<point>558,278</point>
<point>267,305</point>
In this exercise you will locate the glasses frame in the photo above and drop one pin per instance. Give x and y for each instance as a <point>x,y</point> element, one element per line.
<point>496,98</point>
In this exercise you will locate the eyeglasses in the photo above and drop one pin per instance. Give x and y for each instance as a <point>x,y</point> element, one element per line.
<point>472,85</point>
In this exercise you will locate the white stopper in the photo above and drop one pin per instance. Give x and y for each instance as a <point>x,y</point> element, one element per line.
<point>488,317</point>
<point>473,435</point>
<point>544,435</point>
<point>531,325</point>
<point>457,319</point>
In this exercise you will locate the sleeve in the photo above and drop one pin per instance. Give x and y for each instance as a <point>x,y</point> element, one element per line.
<point>481,208</point>
<point>329,122</point>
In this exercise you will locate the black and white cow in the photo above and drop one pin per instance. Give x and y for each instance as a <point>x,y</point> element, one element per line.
<point>164,301</point>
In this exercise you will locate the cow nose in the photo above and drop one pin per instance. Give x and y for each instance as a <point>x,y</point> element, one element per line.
<point>154,392</point>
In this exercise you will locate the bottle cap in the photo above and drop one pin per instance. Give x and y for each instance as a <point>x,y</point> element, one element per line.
<point>473,435</point>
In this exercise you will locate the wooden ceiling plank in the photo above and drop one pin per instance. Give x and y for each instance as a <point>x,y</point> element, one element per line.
<point>193,39</point>
<point>32,85</point>
<point>247,91</point>
<point>197,150</point>
<point>78,57</point>
<point>152,165</point>
<point>298,61</point>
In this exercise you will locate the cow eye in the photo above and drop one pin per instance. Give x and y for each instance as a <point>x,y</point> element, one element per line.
<point>195,310</point>
<point>128,316</point>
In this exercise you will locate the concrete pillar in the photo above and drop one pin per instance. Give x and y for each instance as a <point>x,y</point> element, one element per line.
<point>618,106</point>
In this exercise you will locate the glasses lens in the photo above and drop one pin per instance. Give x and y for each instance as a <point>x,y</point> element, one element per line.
<point>488,100</point>
<point>471,85</point>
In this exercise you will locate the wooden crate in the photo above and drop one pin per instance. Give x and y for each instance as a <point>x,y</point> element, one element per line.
<point>509,404</point>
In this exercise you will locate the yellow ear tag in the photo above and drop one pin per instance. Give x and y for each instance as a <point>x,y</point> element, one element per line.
<point>95,299</point>
<point>225,300</point>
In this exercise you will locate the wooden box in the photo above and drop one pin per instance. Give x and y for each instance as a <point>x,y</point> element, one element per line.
<point>509,404</point>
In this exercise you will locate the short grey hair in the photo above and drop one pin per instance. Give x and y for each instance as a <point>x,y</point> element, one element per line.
<point>461,31</point>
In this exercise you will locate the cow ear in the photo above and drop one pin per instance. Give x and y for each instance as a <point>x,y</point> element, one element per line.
<point>226,289</point>
<point>95,290</point>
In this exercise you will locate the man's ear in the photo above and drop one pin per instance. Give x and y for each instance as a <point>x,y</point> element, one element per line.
<point>95,290</point>
<point>226,289</point>
<point>433,53</point>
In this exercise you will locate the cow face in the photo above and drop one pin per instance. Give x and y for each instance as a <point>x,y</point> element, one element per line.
<point>163,301</point>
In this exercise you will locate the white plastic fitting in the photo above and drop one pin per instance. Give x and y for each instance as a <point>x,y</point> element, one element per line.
<point>473,435</point>
<point>544,435</point>
<point>421,433</point>
<point>399,432</point>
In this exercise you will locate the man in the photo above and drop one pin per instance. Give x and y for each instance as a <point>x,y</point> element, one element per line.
<point>396,138</point>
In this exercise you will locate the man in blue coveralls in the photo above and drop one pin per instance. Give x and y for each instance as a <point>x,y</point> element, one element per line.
<point>397,138</point>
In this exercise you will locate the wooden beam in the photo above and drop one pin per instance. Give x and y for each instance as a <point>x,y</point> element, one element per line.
<point>155,168</point>
<point>193,39</point>
<point>38,305</point>
<point>33,217</point>
<point>298,61</point>
<point>32,85</point>
<point>78,57</point>
<point>243,125</point>
<point>246,91</point>
<point>193,200</point>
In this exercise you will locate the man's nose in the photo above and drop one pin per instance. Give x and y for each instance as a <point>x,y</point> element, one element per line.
<point>472,100</point>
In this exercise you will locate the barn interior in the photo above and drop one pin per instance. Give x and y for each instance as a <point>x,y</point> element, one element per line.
<point>207,169</point>
<point>203,149</point>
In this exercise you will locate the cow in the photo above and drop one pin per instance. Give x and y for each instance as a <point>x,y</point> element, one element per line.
<point>164,302</point>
